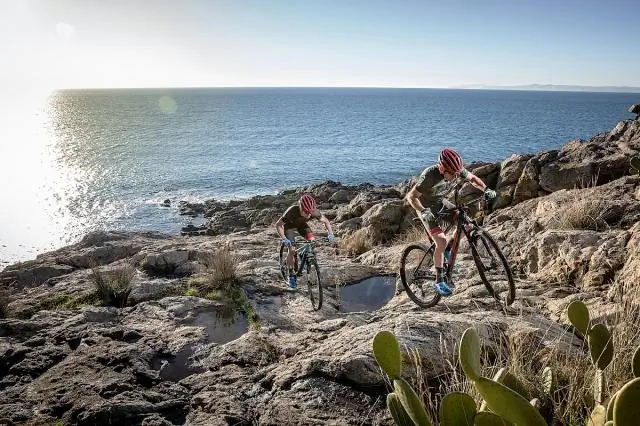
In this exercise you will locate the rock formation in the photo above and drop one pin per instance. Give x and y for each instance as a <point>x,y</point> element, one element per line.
<point>568,220</point>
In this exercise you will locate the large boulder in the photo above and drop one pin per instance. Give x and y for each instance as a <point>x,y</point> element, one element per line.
<point>385,219</point>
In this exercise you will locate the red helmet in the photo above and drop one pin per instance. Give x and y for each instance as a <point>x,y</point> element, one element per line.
<point>450,161</point>
<point>307,203</point>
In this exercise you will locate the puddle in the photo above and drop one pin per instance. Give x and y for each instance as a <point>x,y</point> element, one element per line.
<point>175,367</point>
<point>221,327</point>
<point>367,295</point>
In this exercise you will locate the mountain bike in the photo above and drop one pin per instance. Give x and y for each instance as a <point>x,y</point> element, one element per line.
<point>417,271</point>
<point>305,267</point>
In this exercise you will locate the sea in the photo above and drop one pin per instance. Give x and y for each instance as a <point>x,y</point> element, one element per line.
<point>74,161</point>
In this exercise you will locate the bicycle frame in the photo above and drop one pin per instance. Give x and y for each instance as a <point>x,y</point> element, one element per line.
<point>304,254</point>
<point>461,220</point>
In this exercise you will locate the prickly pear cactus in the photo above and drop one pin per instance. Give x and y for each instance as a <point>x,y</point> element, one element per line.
<point>508,404</point>
<point>600,346</point>
<point>487,418</point>
<point>397,411</point>
<point>503,376</point>
<point>610,406</point>
<point>635,363</point>
<point>411,402</point>
<point>457,409</point>
<point>578,314</point>
<point>626,409</point>
<point>387,353</point>
<point>469,354</point>
<point>499,398</point>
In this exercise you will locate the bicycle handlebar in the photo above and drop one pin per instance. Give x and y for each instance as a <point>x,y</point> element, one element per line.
<point>463,206</point>
<point>303,240</point>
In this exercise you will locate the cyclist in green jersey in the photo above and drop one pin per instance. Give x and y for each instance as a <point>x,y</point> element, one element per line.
<point>295,218</point>
<point>427,196</point>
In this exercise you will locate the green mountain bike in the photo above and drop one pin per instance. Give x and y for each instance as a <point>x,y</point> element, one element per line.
<point>417,271</point>
<point>305,268</point>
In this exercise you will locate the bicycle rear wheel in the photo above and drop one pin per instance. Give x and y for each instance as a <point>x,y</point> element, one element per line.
<point>311,276</point>
<point>418,275</point>
<point>493,267</point>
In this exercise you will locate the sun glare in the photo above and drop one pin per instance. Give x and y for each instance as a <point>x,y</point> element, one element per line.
<point>65,31</point>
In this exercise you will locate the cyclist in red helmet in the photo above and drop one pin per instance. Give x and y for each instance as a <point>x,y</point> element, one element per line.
<point>295,218</point>
<point>427,194</point>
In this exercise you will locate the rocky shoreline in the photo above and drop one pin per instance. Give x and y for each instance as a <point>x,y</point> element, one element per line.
<point>568,220</point>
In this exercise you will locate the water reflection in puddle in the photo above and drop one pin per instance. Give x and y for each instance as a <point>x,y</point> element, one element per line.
<point>367,295</point>
<point>220,326</point>
<point>175,367</point>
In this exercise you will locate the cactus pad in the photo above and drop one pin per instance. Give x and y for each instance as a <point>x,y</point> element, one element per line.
<point>457,409</point>
<point>579,316</point>
<point>397,411</point>
<point>411,402</point>
<point>469,352</point>
<point>387,353</point>
<point>600,346</point>
<point>626,409</point>
<point>508,404</point>
<point>487,418</point>
<point>635,363</point>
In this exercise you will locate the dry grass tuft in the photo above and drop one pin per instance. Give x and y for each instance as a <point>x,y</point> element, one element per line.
<point>584,213</point>
<point>113,287</point>
<point>357,243</point>
<point>221,267</point>
<point>220,283</point>
<point>414,234</point>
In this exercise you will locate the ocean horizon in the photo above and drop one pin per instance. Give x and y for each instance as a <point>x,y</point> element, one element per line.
<point>90,159</point>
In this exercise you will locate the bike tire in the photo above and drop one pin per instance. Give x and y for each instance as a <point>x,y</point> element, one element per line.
<point>314,288</point>
<point>489,244</point>
<point>418,253</point>
<point>283,263</point>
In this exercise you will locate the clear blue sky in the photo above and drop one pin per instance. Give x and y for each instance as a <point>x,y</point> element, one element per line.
<point>421,43</point>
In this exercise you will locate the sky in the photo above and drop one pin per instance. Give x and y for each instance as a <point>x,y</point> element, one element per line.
<point>54,44</point>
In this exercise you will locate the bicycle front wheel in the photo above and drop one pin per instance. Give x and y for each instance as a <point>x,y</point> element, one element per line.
<point>417,273</point>
<point>311,276</point>
<point>284,269</point>
<point>283,263</point>
<point>493,267</point>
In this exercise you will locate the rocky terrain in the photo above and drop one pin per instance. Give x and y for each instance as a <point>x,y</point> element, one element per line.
<point>568,220</point>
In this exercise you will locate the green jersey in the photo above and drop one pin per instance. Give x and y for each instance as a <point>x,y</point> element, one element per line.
<point>432,186</point>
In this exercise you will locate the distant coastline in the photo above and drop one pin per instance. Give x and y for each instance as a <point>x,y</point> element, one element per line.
<point>524,87</point>
<point>552,88</point>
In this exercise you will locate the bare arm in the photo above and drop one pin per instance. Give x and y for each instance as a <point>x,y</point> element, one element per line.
<point>280,227</point>
<point>476,181</point>
<point>413,198</point>
<point>326,223</point>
